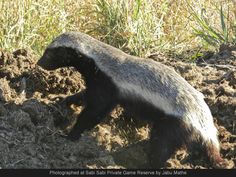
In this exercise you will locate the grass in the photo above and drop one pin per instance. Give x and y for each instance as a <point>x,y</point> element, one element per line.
<point>130,25</point>
<point>216,34</point>
<point>139,27</point>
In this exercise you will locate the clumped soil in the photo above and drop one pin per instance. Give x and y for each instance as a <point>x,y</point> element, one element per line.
<point>30,107</point>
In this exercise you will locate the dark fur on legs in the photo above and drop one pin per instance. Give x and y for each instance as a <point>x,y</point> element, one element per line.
<point>98,101</point>
<point>167,135</point>
<point>88,119</point>
<point>77,99</point>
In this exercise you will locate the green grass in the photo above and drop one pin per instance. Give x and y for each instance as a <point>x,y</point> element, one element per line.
<point>216,34</point>
<point>139,27</point>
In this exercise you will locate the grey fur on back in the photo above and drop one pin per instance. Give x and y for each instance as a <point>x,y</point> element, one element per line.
<point>145,79</point>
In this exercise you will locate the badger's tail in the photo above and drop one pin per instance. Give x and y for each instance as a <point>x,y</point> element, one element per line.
<point>213,154</point>
<point>171,133</point>
<point>205,132</point>
<point>208,140</point>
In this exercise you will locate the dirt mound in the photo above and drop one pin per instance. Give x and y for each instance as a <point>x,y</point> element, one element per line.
<point>29,109</point>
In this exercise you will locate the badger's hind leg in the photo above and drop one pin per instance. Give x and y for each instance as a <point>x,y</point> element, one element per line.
<point>167,136</point>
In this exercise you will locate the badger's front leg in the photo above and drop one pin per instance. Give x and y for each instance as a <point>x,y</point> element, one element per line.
<point>77,99</point>
<point>89,118</point>
<point>100,99</point>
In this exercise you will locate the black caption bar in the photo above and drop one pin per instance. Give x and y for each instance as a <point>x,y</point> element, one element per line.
<point>115,172</point>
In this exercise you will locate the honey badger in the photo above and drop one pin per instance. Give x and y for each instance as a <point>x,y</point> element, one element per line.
<point>144,87</point>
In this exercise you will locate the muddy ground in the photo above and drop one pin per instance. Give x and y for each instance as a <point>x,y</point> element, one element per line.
<point>29,109</point>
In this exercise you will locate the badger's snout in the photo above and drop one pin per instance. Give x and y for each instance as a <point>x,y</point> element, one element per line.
<point>46,62</point>
<point>41,62</point>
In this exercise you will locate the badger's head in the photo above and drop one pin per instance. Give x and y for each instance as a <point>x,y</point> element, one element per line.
<point>58,57</point>
<point>61,53</point>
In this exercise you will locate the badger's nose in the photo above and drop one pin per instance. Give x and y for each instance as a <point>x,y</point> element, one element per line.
<point>40,62</point>
<point>44,62</point>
